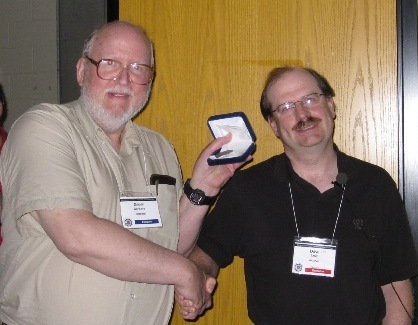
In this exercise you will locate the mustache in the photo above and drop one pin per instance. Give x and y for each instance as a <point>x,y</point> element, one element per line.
<point>120,90</point>
<point>307,122</point>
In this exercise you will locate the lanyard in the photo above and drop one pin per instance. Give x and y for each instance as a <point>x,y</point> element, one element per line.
<point>338,214</point>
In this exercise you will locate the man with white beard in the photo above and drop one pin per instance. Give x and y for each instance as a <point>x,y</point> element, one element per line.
<point>96,226</point>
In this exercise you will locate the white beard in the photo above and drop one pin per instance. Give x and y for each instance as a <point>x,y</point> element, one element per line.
<point>104,118</point>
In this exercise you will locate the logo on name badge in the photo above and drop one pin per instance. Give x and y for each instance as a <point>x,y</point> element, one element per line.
<point>298,267</point>
<point>127,222</point>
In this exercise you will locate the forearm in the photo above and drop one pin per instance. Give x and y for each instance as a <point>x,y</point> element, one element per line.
<point>399,310</point>
<point>204,262</point>
<point>112,250</point>
<point>186,307</point>
<point>209,179</point>
<point>191,218</point>
<point>133,258</point>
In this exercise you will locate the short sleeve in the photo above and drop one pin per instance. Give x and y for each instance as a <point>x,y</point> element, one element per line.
<point>39,168</point>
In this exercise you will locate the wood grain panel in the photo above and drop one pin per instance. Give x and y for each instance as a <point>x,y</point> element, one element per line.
<point>212,57</point>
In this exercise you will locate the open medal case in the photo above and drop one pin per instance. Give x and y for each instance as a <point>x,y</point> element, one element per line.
<point>243,138</point>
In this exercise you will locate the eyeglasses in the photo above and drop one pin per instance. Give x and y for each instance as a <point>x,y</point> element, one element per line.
<point>108,69</point>
<point>307,101</point>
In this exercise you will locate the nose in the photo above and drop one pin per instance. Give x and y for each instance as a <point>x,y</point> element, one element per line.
<point>301,112</point>
<point>123,78</point>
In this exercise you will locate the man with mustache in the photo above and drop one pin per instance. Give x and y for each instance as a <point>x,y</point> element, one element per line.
<point>324,237</point>
<point>96,225</point>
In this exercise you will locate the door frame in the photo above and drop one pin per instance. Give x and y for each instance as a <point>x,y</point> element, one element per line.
<point>408,108</point>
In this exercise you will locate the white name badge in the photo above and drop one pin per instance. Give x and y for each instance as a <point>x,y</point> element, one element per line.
<point>314,256</point>
<point>140,212</point>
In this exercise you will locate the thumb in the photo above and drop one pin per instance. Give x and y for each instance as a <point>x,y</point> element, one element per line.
<point>210,284</point>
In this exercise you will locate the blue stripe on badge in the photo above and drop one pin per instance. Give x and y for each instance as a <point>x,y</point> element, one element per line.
<point>146,222</point>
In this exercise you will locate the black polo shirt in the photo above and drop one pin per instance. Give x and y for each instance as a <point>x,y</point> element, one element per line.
<point>254,219</point>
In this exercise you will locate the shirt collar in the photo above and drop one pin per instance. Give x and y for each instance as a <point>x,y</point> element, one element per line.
<point>343,166</point>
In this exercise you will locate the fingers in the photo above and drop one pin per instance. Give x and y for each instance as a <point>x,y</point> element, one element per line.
<point>210,179</point>
<point>218,143</point>
<point>210,285</point>
<point>213,146</point>
<point>192,312</point>
<point>188,310</point>
<point>233,167</point>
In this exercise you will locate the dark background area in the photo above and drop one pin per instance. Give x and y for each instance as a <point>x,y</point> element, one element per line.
<point>76,20</point>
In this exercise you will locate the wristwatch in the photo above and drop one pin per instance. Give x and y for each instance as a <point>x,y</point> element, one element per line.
<point>197,196</point>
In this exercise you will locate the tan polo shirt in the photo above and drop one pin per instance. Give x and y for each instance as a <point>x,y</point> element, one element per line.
<point>57,157</point>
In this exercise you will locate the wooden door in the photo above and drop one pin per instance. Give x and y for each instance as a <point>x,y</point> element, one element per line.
<point>212,57</point>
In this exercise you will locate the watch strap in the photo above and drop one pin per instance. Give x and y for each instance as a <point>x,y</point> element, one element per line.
<point>197,196</point>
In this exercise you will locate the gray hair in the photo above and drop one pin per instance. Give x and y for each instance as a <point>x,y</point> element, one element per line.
<point>90,41</point>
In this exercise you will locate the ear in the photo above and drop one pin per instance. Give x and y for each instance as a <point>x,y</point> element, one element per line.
<point>81,66</point>
<point>271,121</point>
<point>331,107</point>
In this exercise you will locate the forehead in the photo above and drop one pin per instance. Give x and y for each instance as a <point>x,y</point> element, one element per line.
<point>291,86</point>
<point>120,41</point>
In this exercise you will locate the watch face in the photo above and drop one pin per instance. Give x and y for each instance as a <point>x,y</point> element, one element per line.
<point>196,197</point>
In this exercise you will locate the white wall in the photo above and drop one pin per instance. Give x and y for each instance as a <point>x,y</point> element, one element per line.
<point>28,54</point>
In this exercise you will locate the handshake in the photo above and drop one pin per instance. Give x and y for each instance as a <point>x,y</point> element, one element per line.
<point>195,297</point>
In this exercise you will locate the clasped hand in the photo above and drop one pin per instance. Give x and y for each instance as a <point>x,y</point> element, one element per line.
<point>191,307</point>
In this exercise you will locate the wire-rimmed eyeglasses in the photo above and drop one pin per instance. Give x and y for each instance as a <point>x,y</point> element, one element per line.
<point>108,69</point>
<point>307,101</point>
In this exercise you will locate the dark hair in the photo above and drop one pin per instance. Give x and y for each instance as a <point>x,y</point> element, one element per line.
<point>277,73</point>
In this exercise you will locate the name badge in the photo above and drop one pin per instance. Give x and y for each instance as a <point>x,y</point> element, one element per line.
<point>314,256</point>
<point>140,212</point>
